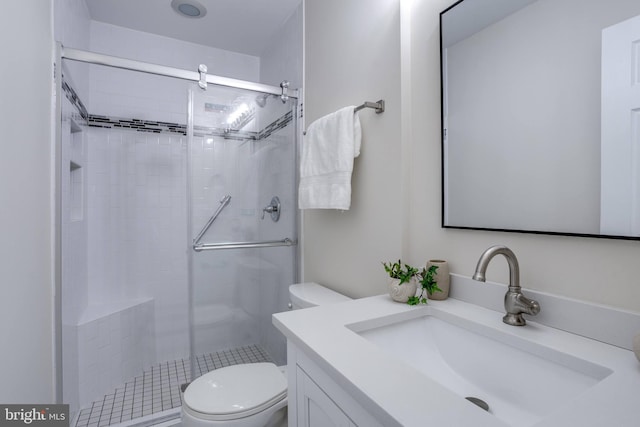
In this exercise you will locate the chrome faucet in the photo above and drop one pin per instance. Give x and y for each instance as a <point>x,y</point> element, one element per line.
<point>514,302</point>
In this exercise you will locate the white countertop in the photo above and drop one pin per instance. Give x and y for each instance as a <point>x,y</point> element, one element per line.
<point>398,394</point>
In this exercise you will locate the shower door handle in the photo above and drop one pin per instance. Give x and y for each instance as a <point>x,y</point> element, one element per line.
<point>223,203</point>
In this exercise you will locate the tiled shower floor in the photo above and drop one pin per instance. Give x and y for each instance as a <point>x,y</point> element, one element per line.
<point>158,388</point>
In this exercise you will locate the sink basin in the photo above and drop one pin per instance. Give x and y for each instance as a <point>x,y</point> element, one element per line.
<point>520,380</point>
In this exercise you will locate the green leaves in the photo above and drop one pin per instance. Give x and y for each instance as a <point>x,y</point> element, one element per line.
<point>427,281</point>
<point>416,300</point>
<point>397,271</point>
<point>405,272</point>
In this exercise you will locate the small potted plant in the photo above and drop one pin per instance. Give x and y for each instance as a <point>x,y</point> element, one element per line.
<point>404,279</point>
<point>428,284</point>
<point>403,282</point>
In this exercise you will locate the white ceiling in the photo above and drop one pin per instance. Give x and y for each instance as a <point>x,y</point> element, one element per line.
<point>244,26</point>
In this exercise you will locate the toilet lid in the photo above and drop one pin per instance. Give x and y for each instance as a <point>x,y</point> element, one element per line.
<point>236,391</point>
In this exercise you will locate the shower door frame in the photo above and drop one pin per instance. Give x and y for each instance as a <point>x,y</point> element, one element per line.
<point>149,68</point>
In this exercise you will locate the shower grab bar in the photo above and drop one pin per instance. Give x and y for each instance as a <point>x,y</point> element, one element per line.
<point>244,245</point>
<point>223,203</point>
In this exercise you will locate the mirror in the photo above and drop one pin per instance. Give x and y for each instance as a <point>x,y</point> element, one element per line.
<point>541,116</point>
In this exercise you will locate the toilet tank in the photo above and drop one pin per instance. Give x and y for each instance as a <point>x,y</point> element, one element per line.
<point>311,294</point>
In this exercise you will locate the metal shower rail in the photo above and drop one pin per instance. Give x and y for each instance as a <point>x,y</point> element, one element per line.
<point>199,76</point>
<point>244,245</point>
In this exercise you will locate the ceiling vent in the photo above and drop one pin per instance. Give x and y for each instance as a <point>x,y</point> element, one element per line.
<point>188,8</point>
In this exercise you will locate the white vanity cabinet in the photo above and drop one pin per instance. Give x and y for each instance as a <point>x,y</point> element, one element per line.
<point>315,407</point>
<point>338,374</point>
<point>316,400</point>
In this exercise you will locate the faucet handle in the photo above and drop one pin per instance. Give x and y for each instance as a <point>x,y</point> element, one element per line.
<point>268,209</point>
<point>273,209</point>
<point>534,307</point>
<point>516,305</point>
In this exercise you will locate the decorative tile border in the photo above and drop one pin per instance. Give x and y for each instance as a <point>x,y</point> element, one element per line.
<point>73,97</point>
<point>276,125</point>
<point>135,124</point>
<point>151,126</point>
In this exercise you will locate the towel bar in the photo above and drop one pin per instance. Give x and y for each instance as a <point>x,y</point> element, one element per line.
<point>379,106</point>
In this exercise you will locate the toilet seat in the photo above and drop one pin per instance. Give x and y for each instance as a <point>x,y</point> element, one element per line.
<point>235,392</point>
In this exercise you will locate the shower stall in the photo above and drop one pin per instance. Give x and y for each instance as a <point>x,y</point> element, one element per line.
<point>178,230</point>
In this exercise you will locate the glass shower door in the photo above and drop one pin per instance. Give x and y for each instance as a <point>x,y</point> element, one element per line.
<point>243,224</point>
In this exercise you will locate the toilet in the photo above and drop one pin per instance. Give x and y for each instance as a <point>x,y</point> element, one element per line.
<point>252,394</point>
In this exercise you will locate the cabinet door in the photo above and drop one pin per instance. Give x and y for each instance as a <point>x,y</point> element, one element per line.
<point>315,408</point>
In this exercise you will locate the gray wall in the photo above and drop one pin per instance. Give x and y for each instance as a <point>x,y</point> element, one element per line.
<point>352,55</point>
<point>26,305</point>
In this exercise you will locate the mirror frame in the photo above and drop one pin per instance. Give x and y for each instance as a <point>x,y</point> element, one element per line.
<point>442,168</point>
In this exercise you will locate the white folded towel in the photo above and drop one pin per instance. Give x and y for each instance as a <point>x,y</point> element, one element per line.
<point>329,147</point>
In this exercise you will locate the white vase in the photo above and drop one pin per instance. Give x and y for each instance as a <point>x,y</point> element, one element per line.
<point>441,277</point>
<point>402,292</point>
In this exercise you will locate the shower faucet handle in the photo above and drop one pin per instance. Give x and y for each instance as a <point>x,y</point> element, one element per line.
<point>273,209</point>
<point>268,209</point>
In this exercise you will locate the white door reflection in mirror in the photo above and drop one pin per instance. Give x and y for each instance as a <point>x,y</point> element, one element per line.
<point>620,157</point>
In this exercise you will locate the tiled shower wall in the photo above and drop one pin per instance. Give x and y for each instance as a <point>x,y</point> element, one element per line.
<point>74,246</point>
<point>113,347</point>
<point>124,255</point>
<point>137,210</point>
